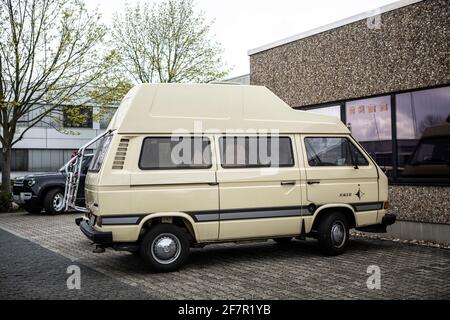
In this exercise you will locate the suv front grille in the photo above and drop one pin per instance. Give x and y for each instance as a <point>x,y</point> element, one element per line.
<point>18,182</point>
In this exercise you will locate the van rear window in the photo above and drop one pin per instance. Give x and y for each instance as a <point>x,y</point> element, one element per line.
<point>175,153</point>
<point>100,154</point>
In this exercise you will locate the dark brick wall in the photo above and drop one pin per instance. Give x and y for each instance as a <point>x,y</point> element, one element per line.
<point>410,50</point>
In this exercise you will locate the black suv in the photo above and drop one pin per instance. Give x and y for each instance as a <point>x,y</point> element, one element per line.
<point>35,192</point>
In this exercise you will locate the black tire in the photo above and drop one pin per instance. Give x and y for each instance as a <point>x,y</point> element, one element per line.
<point>51,201</point>
<point>178,239</point>
<point>33,210</point>
<point>283,241</point>
<point>333,234</point>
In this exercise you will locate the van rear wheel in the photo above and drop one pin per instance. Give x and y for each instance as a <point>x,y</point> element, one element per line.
<point>333,234</point>
<point>165,248</point>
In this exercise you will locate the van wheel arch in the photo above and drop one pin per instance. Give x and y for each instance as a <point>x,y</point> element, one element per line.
<point>349,214</point>
<point>176,220</point>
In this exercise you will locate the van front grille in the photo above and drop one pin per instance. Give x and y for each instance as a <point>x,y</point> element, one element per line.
<point>119,159</point>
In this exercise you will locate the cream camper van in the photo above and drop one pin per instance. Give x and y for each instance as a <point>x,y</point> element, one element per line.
<point>185,165</point>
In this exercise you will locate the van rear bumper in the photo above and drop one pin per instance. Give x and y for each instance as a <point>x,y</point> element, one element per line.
<point>387,220</point>
<point>98,237</point>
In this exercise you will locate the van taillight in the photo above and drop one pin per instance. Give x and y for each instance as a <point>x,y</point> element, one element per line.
<point>99,221</point>
<point>386,205</point>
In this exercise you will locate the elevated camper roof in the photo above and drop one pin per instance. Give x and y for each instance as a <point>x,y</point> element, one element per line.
<point>169,108</point>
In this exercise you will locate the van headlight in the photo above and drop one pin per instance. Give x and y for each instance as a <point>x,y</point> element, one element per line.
<point>31,182</point>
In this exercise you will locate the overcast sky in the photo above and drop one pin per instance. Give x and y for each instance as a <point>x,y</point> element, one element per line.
<point>241,25</point>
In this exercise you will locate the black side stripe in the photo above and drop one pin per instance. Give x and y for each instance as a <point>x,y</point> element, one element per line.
<point>241,214</point>
<point>247,214</point>
<point>123,220</point>
<point>369,206</point>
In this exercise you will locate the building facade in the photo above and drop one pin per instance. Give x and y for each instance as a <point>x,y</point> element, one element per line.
<point>45,148</point>
<point>386,75</point>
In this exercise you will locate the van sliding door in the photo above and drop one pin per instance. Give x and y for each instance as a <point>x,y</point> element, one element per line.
<point>259,185</point>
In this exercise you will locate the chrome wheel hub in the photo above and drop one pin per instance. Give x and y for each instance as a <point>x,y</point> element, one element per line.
<point>58,202</point>
<point>338,234</point>
<point>166,248</point>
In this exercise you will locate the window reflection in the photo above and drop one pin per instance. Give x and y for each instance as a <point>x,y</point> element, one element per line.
<point>370,123</point>
<point>334,111</point>
<point>423,133</point>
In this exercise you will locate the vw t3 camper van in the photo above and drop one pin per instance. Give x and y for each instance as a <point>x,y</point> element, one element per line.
<point>184,165</point>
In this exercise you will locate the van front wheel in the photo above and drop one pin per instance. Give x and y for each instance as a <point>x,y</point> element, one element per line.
<point>165,248</point>
<point>333,234</point>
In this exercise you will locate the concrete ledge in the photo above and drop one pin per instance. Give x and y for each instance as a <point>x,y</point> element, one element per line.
<point>407,230</point>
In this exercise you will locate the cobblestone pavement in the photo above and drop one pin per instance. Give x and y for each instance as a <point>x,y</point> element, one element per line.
<point>261,270</point>
<point>28,271</point>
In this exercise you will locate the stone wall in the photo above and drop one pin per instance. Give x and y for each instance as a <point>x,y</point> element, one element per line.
<point>410,50</point>
<point>420,203</point>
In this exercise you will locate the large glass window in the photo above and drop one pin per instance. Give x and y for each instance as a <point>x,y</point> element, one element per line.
<point>423,133</point>
<point>333,151</point>
<point>256,152</point>
<point>175,153</point>
<point>77,117</point>
<point>370,123</point>
<point>334,111</point>
<point>19,160</point>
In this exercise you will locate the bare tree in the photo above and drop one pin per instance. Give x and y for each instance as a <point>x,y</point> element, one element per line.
<point>168,42</point>
<point>50,53</point>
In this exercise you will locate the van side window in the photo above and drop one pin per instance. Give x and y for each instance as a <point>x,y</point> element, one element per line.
<point>175,153</point>
<point>256,152</point>
<point>333,151</point>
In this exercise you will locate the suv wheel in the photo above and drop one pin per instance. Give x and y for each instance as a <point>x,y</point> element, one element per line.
<point>165,248</point>
<point>53,201</point>
<point>333,234</point>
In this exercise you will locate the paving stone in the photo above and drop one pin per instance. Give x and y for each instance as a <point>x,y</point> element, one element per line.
<point>260,270</point>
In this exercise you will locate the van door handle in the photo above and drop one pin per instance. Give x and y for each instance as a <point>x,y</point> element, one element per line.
<point>213,183</point>
<point>313,182</point>
<point>288,183</point>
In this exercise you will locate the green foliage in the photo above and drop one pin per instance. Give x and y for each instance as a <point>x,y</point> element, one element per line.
<point>166,42</point>
<point>52,53</point>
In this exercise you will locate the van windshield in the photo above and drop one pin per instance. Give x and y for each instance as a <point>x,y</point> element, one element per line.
<point>100,153</point>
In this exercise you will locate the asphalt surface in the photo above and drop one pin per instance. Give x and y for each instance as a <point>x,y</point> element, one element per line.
<point>28,271</point>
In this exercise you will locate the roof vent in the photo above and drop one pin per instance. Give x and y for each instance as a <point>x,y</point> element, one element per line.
<point>119,159</point>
